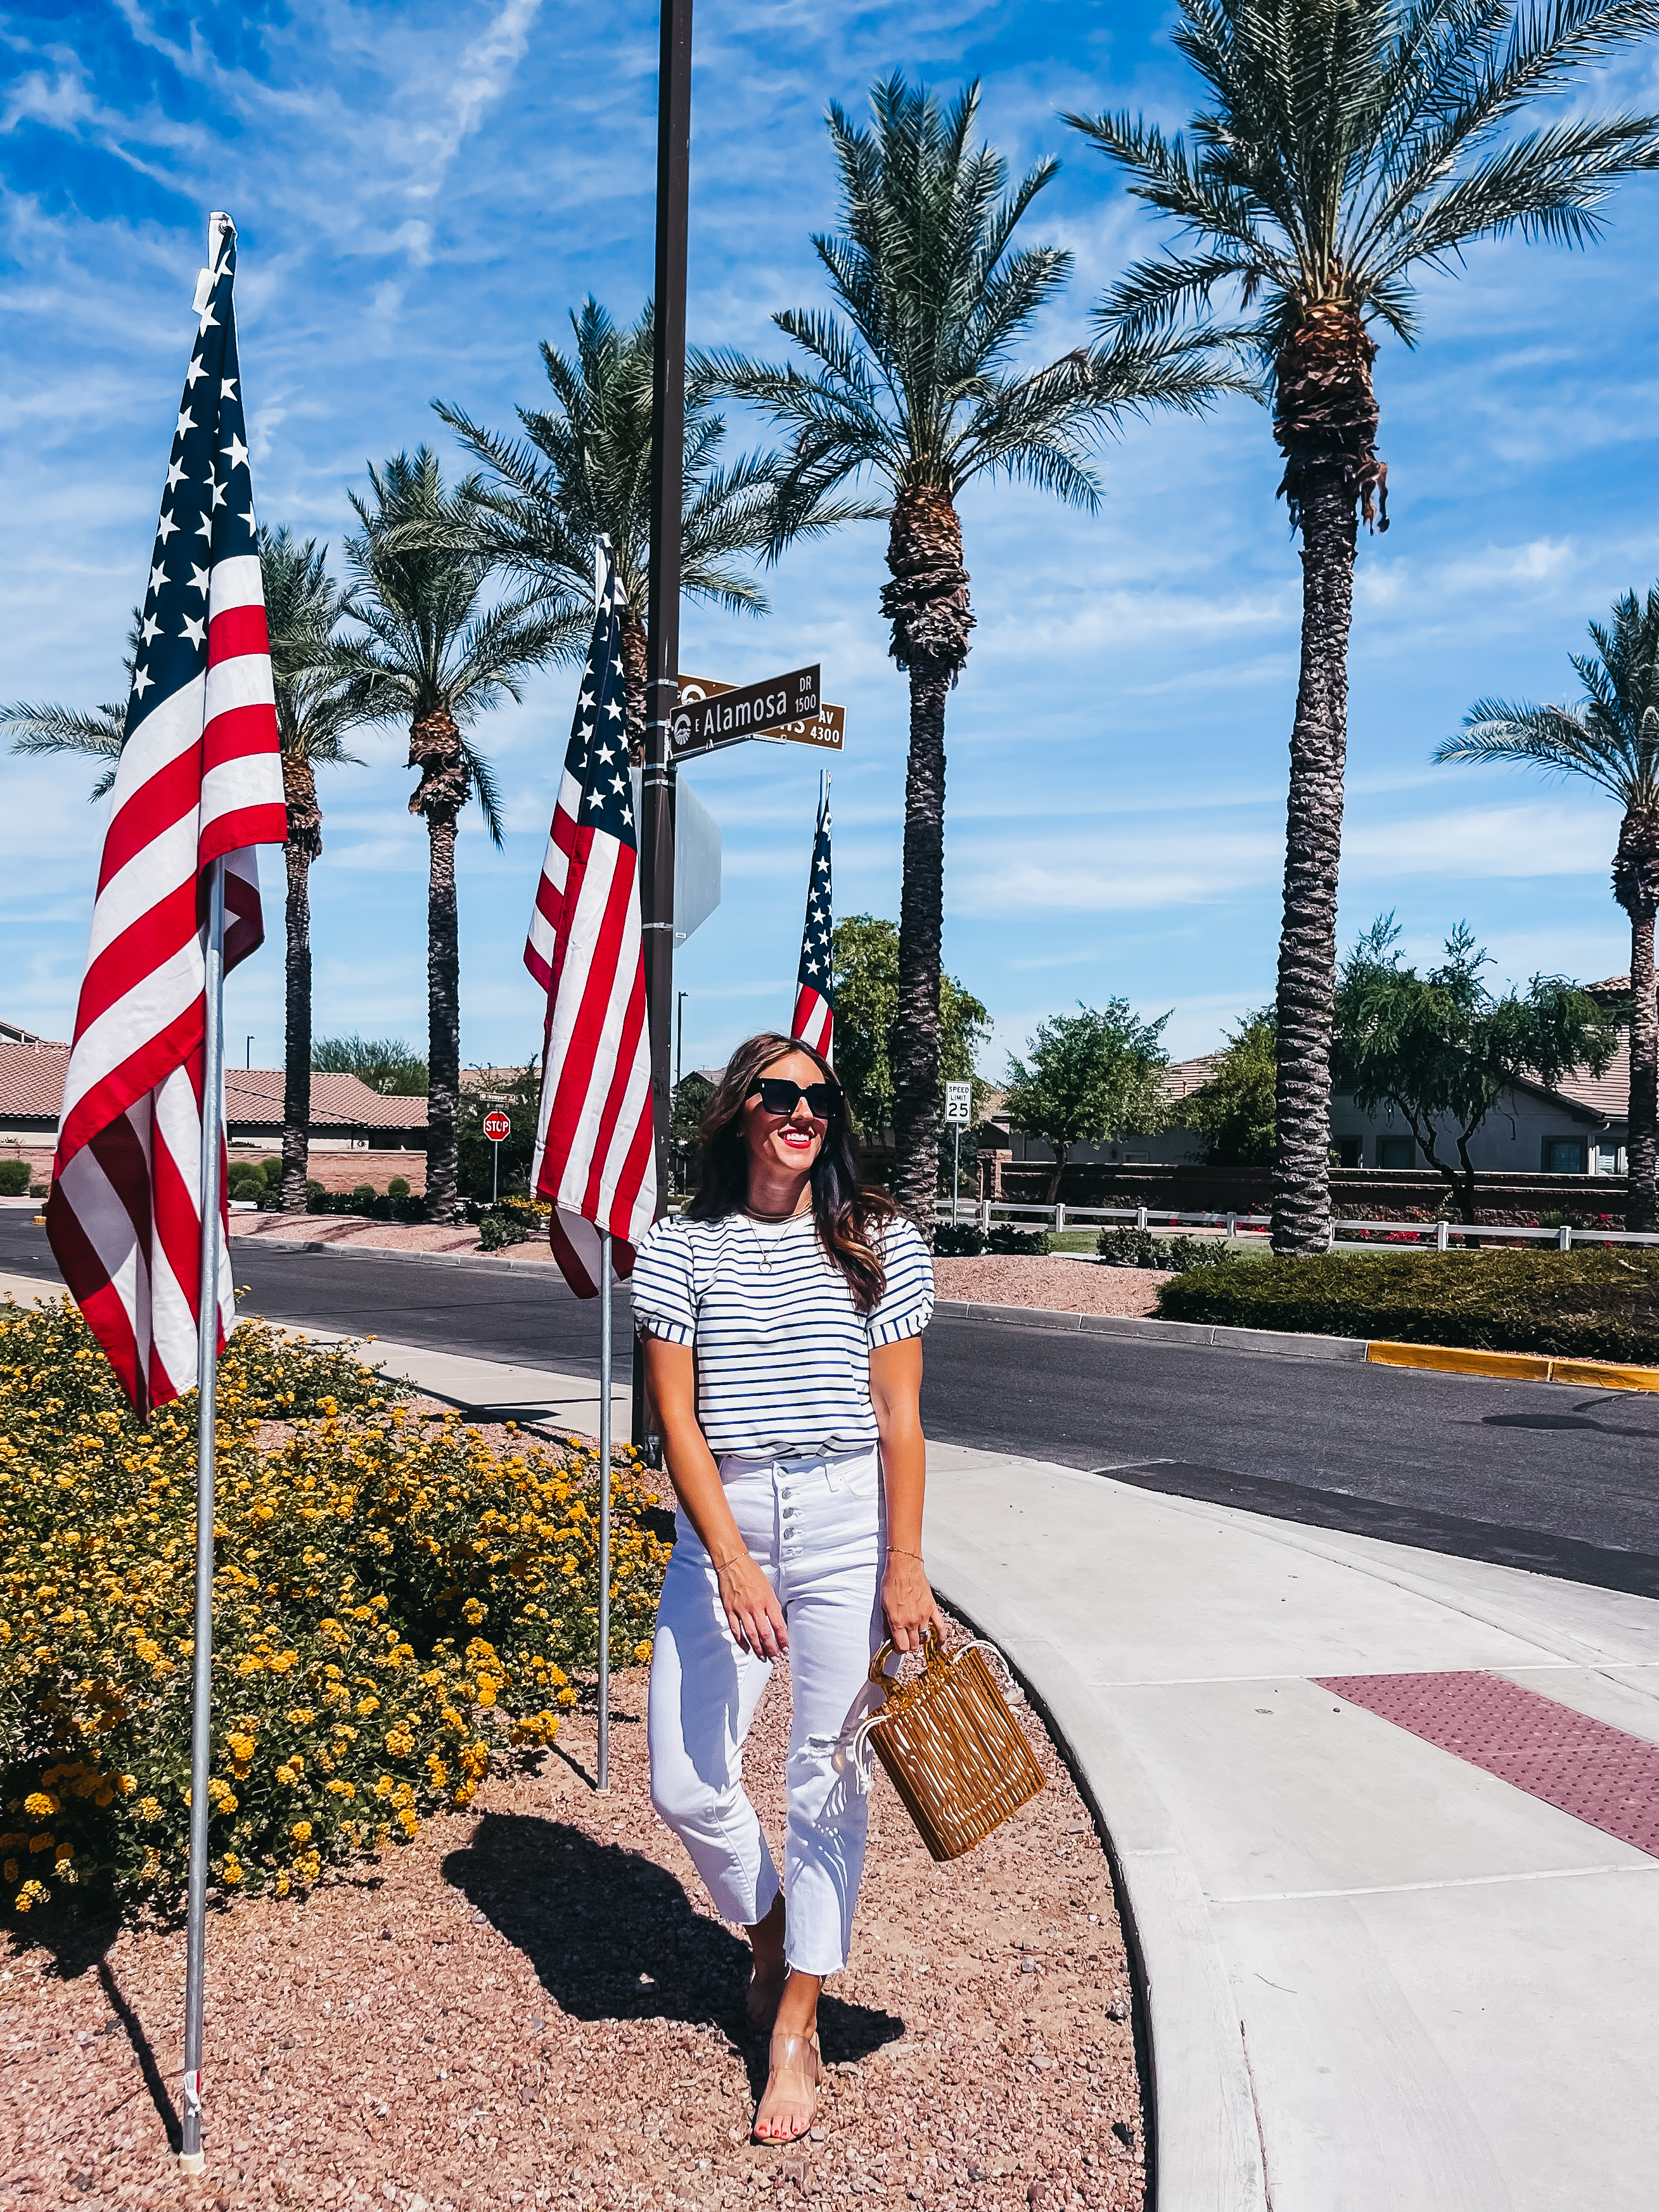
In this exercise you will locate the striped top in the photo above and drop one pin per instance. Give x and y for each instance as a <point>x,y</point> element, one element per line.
<point>783,1354</point>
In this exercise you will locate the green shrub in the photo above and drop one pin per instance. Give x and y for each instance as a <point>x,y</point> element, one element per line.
<point>958,1240</point>
<point>398,1188</point>
<point>1576,1305</point>
<point>1030,1243</point>
<point>14,1178</point>
<point>1175,1255</point>
<point>395,1607</point>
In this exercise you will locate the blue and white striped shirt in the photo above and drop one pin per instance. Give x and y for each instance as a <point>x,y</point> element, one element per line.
<point>783,1354</point>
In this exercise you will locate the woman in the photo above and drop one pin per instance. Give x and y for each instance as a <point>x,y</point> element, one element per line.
<point>782,1318</point>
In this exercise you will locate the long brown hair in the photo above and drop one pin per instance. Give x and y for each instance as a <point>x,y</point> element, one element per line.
<point>844,1210</point>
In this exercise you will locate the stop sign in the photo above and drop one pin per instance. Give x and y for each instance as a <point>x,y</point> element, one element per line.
<point>496,1126</point>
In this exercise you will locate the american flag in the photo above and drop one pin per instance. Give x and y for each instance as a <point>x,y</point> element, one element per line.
<point>814,987</point>
<point>199,779</point>
<point>595,1162</point>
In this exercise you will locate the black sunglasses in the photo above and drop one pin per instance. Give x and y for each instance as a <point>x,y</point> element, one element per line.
<point>778,1095</point>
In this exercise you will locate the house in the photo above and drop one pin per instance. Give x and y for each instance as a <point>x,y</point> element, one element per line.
<point>347,1117</point>
<point>1578,1127</point>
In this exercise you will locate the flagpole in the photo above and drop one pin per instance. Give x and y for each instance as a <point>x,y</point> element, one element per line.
<point>604,1509</point>
<point>191,2156</point>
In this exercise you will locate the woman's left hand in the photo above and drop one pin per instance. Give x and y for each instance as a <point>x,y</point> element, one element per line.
<point>907,1599</point>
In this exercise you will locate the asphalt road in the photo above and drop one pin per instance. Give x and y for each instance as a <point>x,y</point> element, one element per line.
<point>1526,1475</point>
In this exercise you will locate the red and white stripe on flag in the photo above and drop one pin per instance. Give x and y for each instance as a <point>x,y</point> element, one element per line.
<point>199,780</point>
<point>814,1021</point>
<point>595,1160</point>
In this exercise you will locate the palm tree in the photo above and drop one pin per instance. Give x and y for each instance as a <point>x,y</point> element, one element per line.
<point>1343,143</point>
<point>920,394</point>
<point>1613,741</point>
<point>432,651</point>
<point>303,608</point>
<point>582,471</point>
<point>100,734</point>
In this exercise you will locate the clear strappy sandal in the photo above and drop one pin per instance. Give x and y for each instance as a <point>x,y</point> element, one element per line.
<point>797,2056</point>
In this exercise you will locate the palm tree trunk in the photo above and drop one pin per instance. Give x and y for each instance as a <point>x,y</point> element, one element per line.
<point>1325,423</point>
<point>434,747</point>
<point>1635,885</point>
<point>443,994</point>
<point>915,1051</point>
<point>296,1080</point>
<point>635,655</point>
<point>1313,854</point>
<point>927,603</point>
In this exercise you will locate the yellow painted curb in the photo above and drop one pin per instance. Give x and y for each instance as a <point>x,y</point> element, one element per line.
<point>1515,1366</point>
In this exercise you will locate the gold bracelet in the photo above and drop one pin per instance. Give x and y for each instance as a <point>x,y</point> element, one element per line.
<point>731,1560</point>
<point>894,1553</point>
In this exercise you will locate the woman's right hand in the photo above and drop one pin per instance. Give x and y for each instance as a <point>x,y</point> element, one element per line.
<point>752,1611</point>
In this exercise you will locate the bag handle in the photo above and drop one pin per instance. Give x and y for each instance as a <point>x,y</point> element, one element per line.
<point>933,1654</point>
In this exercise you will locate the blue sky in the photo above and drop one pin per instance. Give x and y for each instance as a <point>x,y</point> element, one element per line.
<point>422,192</point>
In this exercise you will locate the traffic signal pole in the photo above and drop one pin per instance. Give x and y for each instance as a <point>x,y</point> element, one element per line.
<point>663,616</point>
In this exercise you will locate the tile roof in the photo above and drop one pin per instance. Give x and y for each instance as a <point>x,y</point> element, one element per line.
<point>1182,1077</point>
<point>255,1094</point>
<point>1607,1094</point>
<point>31,1080</point>
<point>32,1084</point>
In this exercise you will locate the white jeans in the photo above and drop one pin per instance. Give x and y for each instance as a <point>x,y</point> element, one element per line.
<point>815,1527</point>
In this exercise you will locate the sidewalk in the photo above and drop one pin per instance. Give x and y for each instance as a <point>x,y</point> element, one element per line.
<point>1409,1984</point>
<point>1378,1977</point>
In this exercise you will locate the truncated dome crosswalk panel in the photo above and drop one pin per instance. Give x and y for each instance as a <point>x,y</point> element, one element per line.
<point>1598,1774</point>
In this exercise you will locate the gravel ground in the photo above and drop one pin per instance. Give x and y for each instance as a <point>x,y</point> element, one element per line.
<point>394,1236</point>
<point>994,1281</point>
<point>476,2024</point>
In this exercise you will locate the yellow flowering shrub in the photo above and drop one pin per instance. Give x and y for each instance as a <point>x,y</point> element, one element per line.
<point>395,1604</point>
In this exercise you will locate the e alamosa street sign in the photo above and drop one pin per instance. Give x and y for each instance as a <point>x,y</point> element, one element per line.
<point>787,710</point>
<point>497,1127</point>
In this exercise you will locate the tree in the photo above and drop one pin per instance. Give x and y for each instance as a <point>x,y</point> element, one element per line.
<point>430,650</point>
<point>1343,143</point>
<point>302,610</point>
<point>387,1064</point>
<point>916,390</point>
<point>1088,1077</point>
<point>693,1095</point>
<point>98,732</point>
<point>1233,1112</point>
<point>1441,1049</point>
<point>866,953</point>
<point>480,1155</point>
<point>1612,740</point>
<point>582,471</point>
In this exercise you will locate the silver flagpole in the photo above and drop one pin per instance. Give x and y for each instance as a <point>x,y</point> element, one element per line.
<point>604,1509</point>
<point>191,2157</point>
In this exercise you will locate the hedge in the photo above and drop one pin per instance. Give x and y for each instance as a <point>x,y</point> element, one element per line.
<point>1579,1305</point>
<point>396,1606</point>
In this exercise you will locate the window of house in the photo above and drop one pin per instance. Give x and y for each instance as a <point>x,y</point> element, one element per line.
<point>1350,1151</point>
<point>1396,1152</point>
<point>1607,1160</point>
<point>1563,1156</point>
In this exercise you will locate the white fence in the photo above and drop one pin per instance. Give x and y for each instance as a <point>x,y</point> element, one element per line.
<point>1379,1236</point>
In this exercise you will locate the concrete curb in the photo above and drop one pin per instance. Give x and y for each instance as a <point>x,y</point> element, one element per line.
<point>1514,1366</point>
<point>1274,1343</point>
<point>1205,2154</point>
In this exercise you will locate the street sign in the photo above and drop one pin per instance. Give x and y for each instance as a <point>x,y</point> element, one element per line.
<point>496,1126</point>
<point>958,1104</point>
<point>697,859</point>
<point>713,715</point>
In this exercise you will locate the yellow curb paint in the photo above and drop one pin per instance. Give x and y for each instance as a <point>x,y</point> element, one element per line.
<point>1602,1375</point>
<point>1519,1366</point>
<point>1514,1366</point>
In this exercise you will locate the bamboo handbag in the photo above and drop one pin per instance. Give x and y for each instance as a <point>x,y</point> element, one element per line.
<point>955,1753</point>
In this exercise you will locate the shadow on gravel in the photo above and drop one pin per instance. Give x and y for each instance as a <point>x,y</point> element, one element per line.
<point>612,1935</point>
